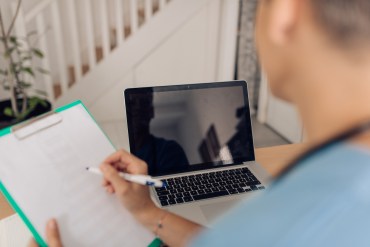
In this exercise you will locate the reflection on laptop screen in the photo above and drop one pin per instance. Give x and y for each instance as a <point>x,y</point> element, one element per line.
<point>179,129</point>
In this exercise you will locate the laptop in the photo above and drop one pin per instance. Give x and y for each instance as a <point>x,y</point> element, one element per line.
<point>198,139</point>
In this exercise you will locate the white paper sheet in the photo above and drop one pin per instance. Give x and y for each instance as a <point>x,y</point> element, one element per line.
<point>13,232</point>
<point>45,173</point>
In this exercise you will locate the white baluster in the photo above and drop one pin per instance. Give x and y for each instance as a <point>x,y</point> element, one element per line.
<point>133,15</point>
<point>76,53</point>
<point>162,4</point>
<point>37,8</point>
<point>20,31</point>
<point>89,34</point>
<point>104,26</point>
<point>148,9</point>
<point>119,21</point>
<point>45,63</point>
<point>58,36</point>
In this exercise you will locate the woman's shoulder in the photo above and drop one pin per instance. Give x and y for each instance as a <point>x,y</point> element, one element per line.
<point>311,206</point>
<point>336,162</point>
<point>343,152</point>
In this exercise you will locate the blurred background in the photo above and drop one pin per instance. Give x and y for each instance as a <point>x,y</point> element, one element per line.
<point>93,49</point>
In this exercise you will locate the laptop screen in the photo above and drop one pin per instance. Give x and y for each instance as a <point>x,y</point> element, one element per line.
<point>178,129</point>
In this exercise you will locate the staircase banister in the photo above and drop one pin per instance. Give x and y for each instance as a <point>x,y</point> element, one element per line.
<point>122,59</point>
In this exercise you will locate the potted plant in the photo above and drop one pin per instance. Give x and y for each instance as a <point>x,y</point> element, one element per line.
<point>13,76</point>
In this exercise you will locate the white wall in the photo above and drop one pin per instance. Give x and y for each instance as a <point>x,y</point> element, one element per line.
<point>187,56</point>
<point>180,59</point>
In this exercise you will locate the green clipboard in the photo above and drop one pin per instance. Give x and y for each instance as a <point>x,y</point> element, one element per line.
<point>9,198</point>
<point>5,192</point>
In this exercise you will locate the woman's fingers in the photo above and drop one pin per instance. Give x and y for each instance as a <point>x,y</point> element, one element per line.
<point>112,176</point>
<point>32,243</point>
<point>120,157</point>
<point>52,234</point>
<point>126,162</point>
<point>107,185</point>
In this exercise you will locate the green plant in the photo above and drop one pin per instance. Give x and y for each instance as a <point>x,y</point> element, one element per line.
<point>18,64</point>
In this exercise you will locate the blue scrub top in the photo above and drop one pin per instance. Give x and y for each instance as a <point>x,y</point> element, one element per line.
<point>324,201</point>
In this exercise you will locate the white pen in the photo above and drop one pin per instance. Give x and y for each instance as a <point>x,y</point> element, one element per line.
<point>139,179</point>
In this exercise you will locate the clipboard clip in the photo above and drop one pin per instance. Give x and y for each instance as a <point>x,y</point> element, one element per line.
<point>35,125</point>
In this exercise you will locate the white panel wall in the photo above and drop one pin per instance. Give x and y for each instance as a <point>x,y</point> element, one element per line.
<point>109,111</point>
<point>182,58</point>
<point>28,4</point>
<point>189,55</point>
<point>185,57</point>
<point>110,106</point>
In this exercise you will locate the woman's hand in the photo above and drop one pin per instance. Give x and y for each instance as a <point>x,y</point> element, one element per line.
<point>134,197</point>
<point>52,235</point>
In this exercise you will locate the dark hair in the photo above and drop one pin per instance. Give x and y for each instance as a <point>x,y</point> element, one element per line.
<point>346,21</point>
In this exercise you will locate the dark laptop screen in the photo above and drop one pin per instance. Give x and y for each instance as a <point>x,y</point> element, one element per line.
<point>190,127</point>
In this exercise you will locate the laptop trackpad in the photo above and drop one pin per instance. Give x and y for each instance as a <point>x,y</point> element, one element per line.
<point>215,210</point>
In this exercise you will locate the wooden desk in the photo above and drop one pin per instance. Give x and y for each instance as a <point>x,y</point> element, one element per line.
<point>273,159</point>
<point>5,209</point>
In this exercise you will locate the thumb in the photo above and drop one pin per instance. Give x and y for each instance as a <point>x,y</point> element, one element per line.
<point>52,234</point>
<point>111,174</point>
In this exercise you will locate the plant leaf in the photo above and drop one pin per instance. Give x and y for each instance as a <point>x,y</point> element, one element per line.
<point>38,101</point>
<point>28,70</point>
<point>8,112</point>
<point>13,39</point>
<point>24,84</point>
<point>40,92</point>
<point>43,103</point>
<point>31,33</point>
<point>9,51</point>
<point>26,58</point>
<point>37,52</point>
<point>32,102</point>
<point>43,71</point>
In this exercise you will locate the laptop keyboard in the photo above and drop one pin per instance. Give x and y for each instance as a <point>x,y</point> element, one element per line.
<point>207,185</point>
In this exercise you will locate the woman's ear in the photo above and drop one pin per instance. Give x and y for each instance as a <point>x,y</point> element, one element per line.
<point>284,17</point>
